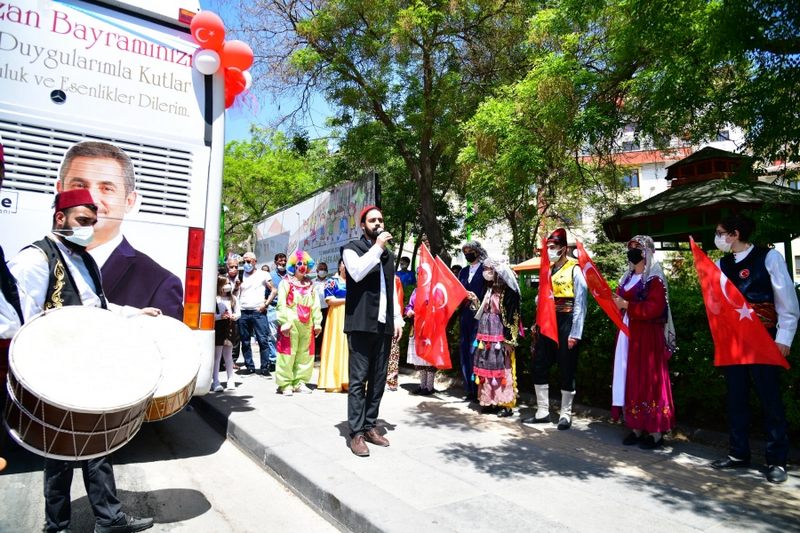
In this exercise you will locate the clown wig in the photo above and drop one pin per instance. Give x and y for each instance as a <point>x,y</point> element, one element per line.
<point>299,256</point>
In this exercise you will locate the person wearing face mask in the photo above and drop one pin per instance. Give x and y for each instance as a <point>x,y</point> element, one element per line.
<point>256,292</point>
<point>641,386</point>
<point>277,275</point>
<point>498,329</point>
<point>226,332</point>
<point>761,276</point>
<point>472,278</point>
<point>53,272</point>
<point>299,317</point>
<point>569,291</point>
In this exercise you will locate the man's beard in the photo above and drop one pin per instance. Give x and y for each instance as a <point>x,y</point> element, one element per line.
<point>373,234</point>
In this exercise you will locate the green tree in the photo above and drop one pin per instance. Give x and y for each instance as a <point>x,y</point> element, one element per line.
<point>264,174</point>
<point>414,68</point>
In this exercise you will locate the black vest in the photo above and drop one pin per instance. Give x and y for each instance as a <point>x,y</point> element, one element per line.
<point>750,275</point>
<point>363,298</point>
<point>9,286</point>
<point>61,288</point>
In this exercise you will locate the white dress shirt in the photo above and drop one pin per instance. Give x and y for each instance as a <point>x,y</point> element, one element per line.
<point>786,305</point>
<point>252,291</point>
<point>9,319</point>
<point>579,305</point>
<point>103,252</point>
<point>358,267</point>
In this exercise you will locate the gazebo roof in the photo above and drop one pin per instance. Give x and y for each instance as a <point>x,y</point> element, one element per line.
<point>695,209</point>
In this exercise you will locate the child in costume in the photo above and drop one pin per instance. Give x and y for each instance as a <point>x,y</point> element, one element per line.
<point>427,372</point>
<point>300,320</point>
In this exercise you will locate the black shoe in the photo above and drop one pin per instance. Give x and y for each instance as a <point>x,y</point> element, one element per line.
<point>488,409</point>
<point>505,412</point>
<point>266,373</point>
<point>631,439</point>
<point>730,462</point>
<point>129,525</point>
<point>469,398</point>
<point>649,443</point>
<point>534,420</point>
<point>777,474</point>
<point>563,424</point>
<point>272,367</point>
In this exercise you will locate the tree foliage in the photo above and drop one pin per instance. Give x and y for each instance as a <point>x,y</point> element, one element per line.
<point>265,174</point>
<point>414,68</point>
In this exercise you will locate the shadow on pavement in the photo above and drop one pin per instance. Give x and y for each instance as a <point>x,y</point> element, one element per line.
<point>165,506</point>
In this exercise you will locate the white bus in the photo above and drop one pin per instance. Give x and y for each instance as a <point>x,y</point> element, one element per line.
<point>119,73</point>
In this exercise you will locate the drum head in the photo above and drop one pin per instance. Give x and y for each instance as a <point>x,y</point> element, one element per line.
<point>177,349</point>
<point>85,359</point>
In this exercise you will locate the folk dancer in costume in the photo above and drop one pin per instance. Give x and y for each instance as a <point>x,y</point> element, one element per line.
<point>641,384</point>
<point>300,322</point>
<point>498,328</point>
<point>334,357</point>
<point>393,369</point>
<point>51,273</point>
<point>471,277</point>
<point>761,276</point>
<point>569,291</point>
<point>427,372</point>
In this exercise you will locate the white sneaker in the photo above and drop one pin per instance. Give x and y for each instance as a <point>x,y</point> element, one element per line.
<point>287,391</point>
<point>302,389</point>
<point>230,385</point>
<point>217,388</point>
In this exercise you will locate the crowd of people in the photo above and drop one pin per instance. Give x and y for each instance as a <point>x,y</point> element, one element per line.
<point>358,345</point>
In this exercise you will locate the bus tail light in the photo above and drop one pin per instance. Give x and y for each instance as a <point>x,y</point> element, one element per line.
<point>194,278</point>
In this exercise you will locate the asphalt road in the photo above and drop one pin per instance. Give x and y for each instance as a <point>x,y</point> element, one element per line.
<point>179,471</point>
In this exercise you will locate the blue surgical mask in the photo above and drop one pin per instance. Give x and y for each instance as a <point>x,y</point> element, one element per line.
<point>248,267</point>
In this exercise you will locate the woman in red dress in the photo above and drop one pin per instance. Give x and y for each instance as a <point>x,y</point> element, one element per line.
<point>641,360</point>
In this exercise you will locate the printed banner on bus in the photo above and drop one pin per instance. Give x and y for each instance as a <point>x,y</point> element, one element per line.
<point>320,225</point>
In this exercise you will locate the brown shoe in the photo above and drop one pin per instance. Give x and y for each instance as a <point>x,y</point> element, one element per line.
<point>373,437</point>
<point>358,446</point>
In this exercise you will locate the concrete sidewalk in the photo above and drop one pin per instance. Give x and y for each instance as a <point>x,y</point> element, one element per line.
<point>450,468</point>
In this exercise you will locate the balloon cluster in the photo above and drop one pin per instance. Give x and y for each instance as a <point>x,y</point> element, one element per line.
<point>215,53</point>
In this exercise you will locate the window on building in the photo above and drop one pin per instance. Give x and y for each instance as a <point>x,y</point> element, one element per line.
<point>630,146</point>
<point>723,135</point>
<point>797,265</point>
<point>631,178</point>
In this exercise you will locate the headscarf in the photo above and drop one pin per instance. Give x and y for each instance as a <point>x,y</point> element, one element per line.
<point>475,245</point>
<point>503,272</point>
<point>653,268</point>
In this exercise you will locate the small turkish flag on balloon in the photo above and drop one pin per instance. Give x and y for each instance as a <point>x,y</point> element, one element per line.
<point>739,336</point>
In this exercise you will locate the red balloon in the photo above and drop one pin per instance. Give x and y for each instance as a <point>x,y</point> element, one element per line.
<point>234,81</point>
<point>208,30</point>
<point>236,54</point>
<point>229,98</point>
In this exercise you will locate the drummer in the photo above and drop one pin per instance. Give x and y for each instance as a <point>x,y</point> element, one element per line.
<point>10,319</point>
<point>51,273</point>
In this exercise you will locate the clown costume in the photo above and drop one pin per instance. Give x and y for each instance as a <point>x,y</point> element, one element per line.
<point>300,320</point>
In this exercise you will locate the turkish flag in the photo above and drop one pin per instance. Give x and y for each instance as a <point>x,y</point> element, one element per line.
<point>546,304</point>
<point>739,336</point>
<point>599,288</point>
<point>441,295</point>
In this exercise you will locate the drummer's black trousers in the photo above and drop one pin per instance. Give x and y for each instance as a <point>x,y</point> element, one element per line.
<point>98,478</point>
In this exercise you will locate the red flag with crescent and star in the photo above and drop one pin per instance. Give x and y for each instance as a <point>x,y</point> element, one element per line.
<point>546,304</point>
<point>739,336</point>
<point>440,296</point>
<point>599,288</point>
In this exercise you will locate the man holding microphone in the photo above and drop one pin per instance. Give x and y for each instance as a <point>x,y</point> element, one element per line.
<point>372,319</point>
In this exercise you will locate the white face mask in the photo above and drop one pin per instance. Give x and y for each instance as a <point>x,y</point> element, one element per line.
<point>554,254</point>
<point>322,273</point>
<point>721,244</point>
<point>226,288</point>
<point>81,235</point>
<point>488,275</point>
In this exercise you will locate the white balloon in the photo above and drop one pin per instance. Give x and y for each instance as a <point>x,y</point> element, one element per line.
<point>206,62</point>
<point>248,80</point>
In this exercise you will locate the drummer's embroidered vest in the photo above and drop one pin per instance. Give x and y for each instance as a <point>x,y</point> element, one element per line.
<point>61,288</point>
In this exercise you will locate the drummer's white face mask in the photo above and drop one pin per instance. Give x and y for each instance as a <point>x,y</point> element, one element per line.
<point>81,235</point>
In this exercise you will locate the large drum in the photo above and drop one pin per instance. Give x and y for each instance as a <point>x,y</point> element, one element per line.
<point>79,383</point>
<point>180,361</point>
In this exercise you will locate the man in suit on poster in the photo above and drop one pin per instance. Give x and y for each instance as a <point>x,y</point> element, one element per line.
<point>130,277</point>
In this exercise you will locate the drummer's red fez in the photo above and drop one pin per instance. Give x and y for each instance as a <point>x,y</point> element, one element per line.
<point>559,236</point>
<point>363,217</point>
<point>74,198</point>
